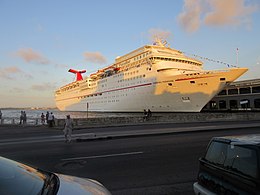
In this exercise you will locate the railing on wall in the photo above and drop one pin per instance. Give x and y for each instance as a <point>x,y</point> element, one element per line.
<point>16,121</point>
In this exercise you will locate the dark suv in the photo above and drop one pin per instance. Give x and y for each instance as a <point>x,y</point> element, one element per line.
<point>230,166</point>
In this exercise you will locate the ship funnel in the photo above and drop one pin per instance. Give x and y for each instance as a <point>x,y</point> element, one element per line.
<point>78,74</point>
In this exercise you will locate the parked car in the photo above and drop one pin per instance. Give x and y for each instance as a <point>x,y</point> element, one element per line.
<point>19,179</point>
<point>230,166</point>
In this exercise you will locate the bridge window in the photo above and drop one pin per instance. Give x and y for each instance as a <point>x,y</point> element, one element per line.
<point>222,104</point>
<point>223,92</point>
<point>246,90</point>
<point>256,89</point>
<point>232,91</point>
<point>245,103</point>
<point>257,103</point>
<point>233,104</point>
<point>212,105</point>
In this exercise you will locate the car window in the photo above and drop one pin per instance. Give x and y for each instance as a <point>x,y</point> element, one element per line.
<point>242,160</point>
<point>217,153</point>
<point>237,158</point>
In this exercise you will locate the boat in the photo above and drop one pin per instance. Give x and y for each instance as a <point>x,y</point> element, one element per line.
<point>155,77</point>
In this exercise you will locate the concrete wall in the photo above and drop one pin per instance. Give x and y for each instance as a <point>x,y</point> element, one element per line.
<point>166,118</point>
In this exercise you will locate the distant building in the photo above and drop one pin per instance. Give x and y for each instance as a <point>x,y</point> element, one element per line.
<point>240,95</point>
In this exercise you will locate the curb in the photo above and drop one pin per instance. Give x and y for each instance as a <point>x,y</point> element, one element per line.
<point>165,132</point>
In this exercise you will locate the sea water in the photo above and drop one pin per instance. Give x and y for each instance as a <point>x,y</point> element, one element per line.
<point>31,113</point>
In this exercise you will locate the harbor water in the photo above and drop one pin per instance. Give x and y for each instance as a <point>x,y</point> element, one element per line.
<point>31,113</point>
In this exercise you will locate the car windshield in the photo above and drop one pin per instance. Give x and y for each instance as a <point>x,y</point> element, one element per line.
<point>17,178</point>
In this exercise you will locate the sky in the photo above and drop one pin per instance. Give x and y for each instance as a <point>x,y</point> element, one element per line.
<point>41,40</point>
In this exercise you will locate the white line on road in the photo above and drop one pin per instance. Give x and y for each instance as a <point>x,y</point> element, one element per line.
<point>103,156</point>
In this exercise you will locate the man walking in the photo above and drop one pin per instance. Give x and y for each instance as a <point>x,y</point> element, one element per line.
<point>68,129</point>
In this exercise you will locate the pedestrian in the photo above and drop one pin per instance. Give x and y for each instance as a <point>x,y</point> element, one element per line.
<point>21,117</point>
<point>47,118</point>
<point>53,119</point>
<point>24,117</point>
<point>149,114</point>
<point>50,119</point>
<point>145,115</point>
<point>43,119</point>
<point>68,126</point>
<point>1,117</point>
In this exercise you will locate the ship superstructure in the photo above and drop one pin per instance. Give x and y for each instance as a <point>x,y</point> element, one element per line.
<point>154,77</point>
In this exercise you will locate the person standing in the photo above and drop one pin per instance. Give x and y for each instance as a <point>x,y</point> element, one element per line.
<point>47,118</point>
<point>43,119</point>
<point>68,129</point>
<point>51,119</point>
<point>149,114</point>
<point>145,115</point>
<point>21,118</point>
<point>1,117</point>
<point>24,117</point>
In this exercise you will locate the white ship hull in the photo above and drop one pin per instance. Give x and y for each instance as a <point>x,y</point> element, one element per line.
<point>160,86</point>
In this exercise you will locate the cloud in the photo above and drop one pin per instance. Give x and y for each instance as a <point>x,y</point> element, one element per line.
<point>10,72</point>
<point>159,33</point>
<point>39,28</point>
<point>16,90</point>
<point>95,57</point>
<point>216,13</point>
<point>61,66</point>
<point>189,19</point>
<point>31,56</point>
<point>231,12</point>
<point>43,87</point>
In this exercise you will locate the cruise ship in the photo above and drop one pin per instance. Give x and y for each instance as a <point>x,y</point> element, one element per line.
<point>154,77</point>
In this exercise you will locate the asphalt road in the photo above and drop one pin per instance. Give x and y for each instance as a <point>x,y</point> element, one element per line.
<point>165,164</point>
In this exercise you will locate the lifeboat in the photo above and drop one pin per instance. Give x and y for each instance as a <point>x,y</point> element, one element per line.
<point>116,69</point>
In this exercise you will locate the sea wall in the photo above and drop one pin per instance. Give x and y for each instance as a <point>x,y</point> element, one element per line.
<point>156,118</point>
<point>166,118</point>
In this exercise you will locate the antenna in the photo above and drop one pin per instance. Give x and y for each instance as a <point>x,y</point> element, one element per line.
<point>237,55</point>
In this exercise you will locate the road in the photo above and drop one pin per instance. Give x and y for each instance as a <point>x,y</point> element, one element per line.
<point>162,164</point>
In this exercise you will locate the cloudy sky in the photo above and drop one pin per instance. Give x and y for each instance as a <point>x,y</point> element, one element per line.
<point>41,40</point>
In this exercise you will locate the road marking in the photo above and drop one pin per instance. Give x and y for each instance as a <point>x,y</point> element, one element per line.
<point>103,156</point>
